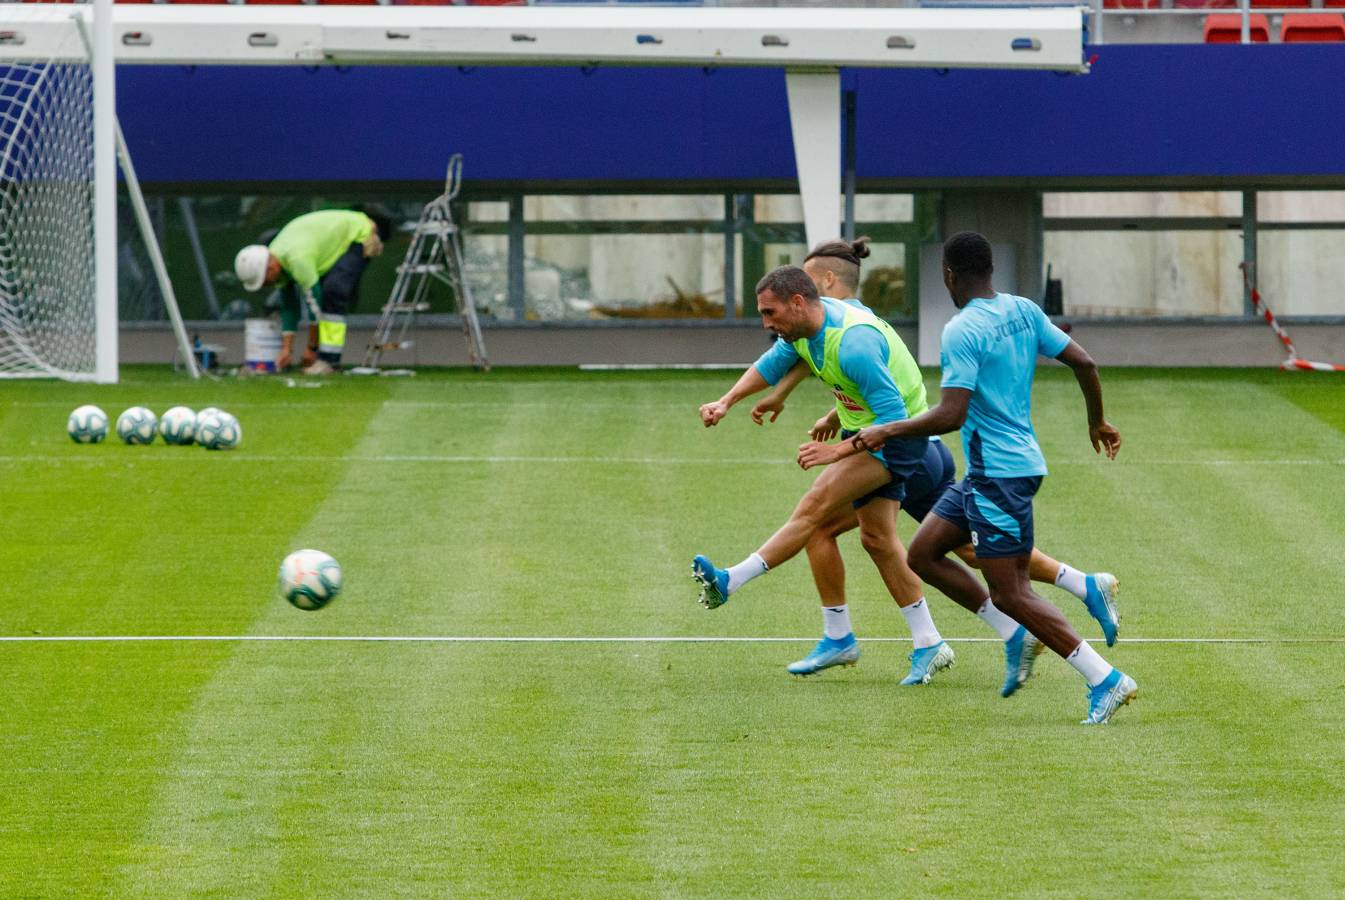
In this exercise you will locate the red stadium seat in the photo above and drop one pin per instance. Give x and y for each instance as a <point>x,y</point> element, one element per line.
<point>1281,4</point>
<point>1133,4</point>
<point>1301,28</point>
<point>1204,4</point>
<point>1227,28</point>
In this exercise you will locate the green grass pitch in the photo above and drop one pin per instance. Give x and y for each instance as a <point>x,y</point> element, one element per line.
<point>560,504</point>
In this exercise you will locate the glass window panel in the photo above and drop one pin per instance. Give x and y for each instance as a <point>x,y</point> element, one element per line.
<point>622,207</point>
<point>868,207</point>
<point>488,211</point>
<point>1140,204</point>
<point>778,208</point>
<point>776,255</point>
<point>1147,273</point>
<point>882,282</point>
<point>1300,272</point>
<point>884,207</point>
<point>624,276</point>
<point>486,266</point>
<point>1301,206</point>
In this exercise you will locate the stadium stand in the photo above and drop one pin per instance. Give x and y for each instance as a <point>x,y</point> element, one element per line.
<point>1301,28</point>
<point>1227,29</point>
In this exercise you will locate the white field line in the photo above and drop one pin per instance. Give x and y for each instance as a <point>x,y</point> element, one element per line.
<point>343,403</point>
<point>451,639</point>
<point>90,455</point>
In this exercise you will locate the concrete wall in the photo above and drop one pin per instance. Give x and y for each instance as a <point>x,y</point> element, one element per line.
<point>1113,342</point>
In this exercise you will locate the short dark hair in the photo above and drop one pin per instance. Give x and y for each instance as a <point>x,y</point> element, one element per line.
<point>968,253</point>
<point>841,258</point>
<point>787,281</point>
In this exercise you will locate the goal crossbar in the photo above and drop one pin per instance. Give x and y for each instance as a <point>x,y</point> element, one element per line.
<point>1000,38</point>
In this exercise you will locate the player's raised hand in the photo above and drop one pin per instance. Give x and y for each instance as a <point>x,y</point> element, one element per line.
<point>711,413</point>
<point>816,453</point>
<point>767,406</point>
<point>824,429</point>
<point>1105,437</point>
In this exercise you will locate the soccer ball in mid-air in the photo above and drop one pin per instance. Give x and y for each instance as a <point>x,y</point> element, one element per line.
<point>178,425</point>
<point>136,425</point>
<point>309,579</point>
<point>218,430</point>
<point>87,425</point>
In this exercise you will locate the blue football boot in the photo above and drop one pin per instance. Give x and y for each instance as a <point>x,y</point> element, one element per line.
<point>1101,602</point>
<point>1115,691</point>
<point>828,652</point>
<point>926,661</point>
<point>1020,652</point>
<point>714,582</point>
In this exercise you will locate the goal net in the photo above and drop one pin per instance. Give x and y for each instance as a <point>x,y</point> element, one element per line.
<point>48,325</point>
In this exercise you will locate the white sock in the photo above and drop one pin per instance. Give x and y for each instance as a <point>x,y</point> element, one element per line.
<point>1003,625</point>
<point>923,631</point>
<point>1090,664</point>
<point>836,621</point>
<point>1072,580</point>
<point>746,570</point>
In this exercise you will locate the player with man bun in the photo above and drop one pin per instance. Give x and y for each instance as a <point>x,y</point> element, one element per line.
<point>834,267</point>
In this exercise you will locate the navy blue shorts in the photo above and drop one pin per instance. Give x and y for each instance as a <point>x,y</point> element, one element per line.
<point>341,283</point>
<point>996,512</point>
<point>921,471</point>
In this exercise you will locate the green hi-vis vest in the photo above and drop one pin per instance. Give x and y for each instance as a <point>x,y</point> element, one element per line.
<point>850,404</point>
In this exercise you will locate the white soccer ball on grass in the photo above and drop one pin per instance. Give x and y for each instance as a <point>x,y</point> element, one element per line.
<point>136,425</point>
<point>309,579</point>
<point>178,426</point>
<point>87,425</point>
<point>218,430</point>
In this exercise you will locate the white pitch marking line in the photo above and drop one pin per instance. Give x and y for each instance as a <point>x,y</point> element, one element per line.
<point>448,639</point>
<point>242,456</point>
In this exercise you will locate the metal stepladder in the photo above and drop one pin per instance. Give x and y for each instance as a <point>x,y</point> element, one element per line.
<point>435,254</point>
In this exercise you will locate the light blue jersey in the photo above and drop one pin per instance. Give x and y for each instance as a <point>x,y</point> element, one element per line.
<point>990,348</point>
<point>863,358</point>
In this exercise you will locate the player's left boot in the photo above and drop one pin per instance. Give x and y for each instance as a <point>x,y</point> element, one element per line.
<point>927,661</point>
<point>1115,691</point>
<point>1020,652</point>
<point>828,652</point>
<point>714,582</point>
<point>1101,602</point>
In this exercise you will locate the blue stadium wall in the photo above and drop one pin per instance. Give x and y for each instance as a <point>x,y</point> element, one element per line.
<point>1193,115</point>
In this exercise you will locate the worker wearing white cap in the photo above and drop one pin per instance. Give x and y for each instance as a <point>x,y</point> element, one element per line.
<point>318,258</point>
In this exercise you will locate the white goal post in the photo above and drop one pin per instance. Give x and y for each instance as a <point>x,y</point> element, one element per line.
<point>51,208</point>
<point>59,143</point>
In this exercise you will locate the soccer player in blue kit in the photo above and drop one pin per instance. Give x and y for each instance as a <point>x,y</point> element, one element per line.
<point>834,268</point>
<point>989,358</point>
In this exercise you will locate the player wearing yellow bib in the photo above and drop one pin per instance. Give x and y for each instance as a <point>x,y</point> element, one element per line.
<point>863,361</point>
<point>834,268</point>
<point>318,258</point>
<point>989,359</point>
